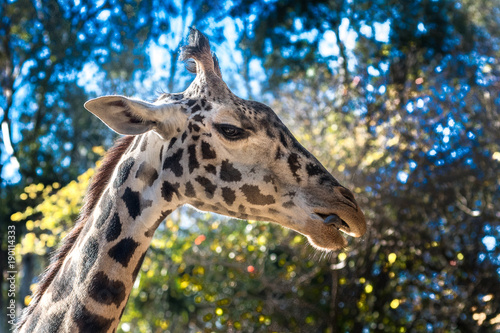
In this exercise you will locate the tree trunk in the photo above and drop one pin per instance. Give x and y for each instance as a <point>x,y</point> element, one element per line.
<point>27,274</point>
<point>333,307</point>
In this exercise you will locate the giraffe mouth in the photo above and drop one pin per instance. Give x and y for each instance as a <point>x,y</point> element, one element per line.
<point>335,221</point>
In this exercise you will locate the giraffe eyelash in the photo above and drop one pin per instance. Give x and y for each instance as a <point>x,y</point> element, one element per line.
<point>231,132</point>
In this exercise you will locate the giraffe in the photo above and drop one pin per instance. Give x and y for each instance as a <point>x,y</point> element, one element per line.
<point>204,147</point>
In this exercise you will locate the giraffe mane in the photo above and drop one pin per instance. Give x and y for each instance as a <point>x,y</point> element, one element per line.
<point>99,182</point>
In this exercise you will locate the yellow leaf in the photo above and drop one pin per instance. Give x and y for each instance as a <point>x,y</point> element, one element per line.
<point>164,325</point>
<point>99,150</point>
<point>368,288</point>
<point>16,216</point>
<point>29,225</point>
<point>392,258</point>
<point>262,240</point>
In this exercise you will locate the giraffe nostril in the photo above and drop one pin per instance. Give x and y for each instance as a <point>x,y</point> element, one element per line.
<point>348,195</point>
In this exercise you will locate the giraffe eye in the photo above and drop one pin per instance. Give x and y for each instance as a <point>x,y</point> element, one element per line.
<point>231,132</point>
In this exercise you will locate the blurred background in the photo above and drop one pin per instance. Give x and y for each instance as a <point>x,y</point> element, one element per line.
<point>400,100</point>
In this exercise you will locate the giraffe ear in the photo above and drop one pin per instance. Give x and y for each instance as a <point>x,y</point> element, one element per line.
<point>132,116</point>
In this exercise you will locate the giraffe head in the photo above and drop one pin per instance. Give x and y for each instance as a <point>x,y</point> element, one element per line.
<point>233,156</point>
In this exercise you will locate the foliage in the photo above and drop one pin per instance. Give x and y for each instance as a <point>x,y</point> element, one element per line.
<point>48,222</point>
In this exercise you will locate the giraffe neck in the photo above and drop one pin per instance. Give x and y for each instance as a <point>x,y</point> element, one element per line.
<point>93,285</point>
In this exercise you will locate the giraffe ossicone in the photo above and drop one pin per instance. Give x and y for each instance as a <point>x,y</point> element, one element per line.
<point>204,147</point>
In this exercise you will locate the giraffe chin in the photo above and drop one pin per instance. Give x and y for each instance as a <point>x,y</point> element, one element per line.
<point>327,238</point>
